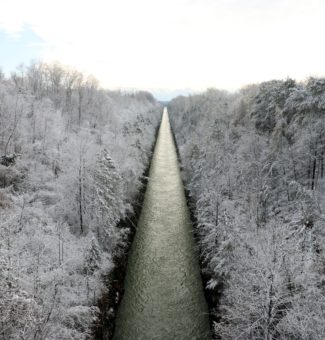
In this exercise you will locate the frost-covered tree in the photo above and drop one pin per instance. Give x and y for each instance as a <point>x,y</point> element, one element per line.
<point>253,164</point>
<point>108,201</point>
<point>56,194</point>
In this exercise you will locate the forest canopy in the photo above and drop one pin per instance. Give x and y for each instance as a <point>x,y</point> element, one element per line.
<point>72,159</point>
<point>253,162</point>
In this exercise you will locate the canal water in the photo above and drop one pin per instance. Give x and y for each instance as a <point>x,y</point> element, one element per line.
<point>163,296</point>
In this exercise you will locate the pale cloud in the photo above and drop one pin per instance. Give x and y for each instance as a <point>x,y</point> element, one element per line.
<point>177,43</point>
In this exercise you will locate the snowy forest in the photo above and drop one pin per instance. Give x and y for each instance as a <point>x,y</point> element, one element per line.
<point>74,158</point>
<point>71,166</point>
<point>253,165</point>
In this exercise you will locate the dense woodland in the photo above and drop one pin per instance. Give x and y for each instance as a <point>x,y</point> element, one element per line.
<point>253,162</point>
<point>72,157</point>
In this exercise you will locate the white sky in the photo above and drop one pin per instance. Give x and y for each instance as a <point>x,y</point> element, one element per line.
<point>164,45</point>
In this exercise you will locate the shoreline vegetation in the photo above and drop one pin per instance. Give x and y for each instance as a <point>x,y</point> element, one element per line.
<point>252,163</point>
<point>81,151</point>
<point>109,303</point>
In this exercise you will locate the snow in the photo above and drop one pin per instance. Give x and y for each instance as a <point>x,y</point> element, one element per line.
<point>253,163</point>
<point>77,174</point>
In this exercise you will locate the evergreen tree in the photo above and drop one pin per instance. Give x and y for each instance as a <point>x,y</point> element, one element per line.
<point>108,199</point>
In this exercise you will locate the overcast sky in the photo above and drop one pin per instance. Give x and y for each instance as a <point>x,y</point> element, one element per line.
<point>169,46</point>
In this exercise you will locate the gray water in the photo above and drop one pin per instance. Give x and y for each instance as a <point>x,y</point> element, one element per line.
<point>163,290</point>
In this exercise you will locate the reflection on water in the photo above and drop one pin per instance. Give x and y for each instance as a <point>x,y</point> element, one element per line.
<point>163,291</point>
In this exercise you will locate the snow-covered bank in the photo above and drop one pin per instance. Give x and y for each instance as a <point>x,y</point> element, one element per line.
<point>110,298</point>
<point>253,164</point>
<point>81,153</point>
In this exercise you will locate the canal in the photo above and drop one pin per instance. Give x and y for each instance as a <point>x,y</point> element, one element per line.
<point>163,296</point>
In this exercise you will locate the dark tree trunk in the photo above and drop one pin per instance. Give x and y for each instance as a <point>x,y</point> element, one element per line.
<point>309,171</point>
<point>314,172</point>
<point>217,214</point>
<point>322,164</point>
<point>80,197</point>
<point>79,106</point>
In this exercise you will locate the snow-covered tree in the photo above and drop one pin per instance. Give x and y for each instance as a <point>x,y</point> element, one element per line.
<point>62,201</point>
<point>253,164</point>
<point>108,201</point>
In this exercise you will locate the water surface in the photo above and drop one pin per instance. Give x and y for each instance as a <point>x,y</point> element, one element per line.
<point>163,290</point>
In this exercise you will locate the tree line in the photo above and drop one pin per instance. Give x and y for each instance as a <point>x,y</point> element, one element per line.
<point>253,162</point>
<point>72,157</point>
